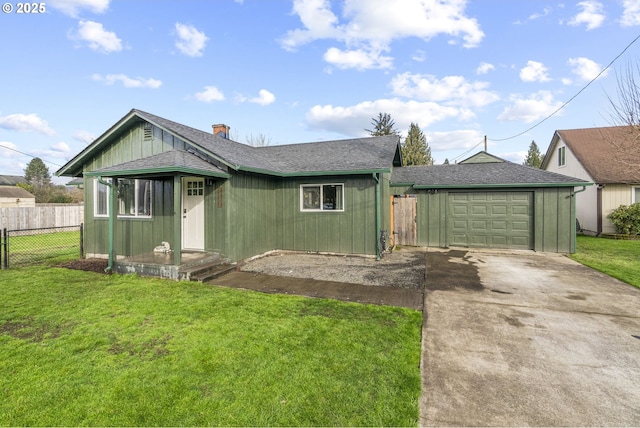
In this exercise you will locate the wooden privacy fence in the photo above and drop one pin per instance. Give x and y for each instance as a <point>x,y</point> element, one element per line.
<point>41,216</point>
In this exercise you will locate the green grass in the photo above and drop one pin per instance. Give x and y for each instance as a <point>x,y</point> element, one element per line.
<point>615,257</point>
<point>44,248</point>
<point>78,348</point>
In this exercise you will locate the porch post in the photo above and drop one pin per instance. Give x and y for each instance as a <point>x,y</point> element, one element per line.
<point>177,220</point>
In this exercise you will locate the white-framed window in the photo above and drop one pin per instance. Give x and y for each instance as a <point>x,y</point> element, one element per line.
<point>100,198</point>
<point>134,198</point>
<point>322,197</point>
<point>562,159</point>
<point>635,194</point>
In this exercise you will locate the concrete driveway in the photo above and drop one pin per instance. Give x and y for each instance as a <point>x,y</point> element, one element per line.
<point>527,339</point>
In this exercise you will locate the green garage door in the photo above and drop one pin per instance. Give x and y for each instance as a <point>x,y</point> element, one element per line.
<point>491,220</point>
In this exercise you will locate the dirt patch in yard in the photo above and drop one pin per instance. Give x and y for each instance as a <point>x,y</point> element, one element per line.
<point>90,265</point>
<point>400,269</point>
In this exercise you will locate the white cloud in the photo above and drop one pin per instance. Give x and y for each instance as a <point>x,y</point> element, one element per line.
<point>60,147</point>
<point>210,94</point>
<point>349,120</point>
<point>191,42</point>
<point>73,7</point>
<point>592,15</point>
<point>584,68</point>
<point>534,72</point>
<point>369,26</point>
<point>26,122</point>
<point>264,98</point>
<point>631,13</point>
<point>452,90</point>
<point>546,11</point>
<point>127,82</point>
<point>84,136</point>
<point>359,59</point>
<point>453,140</point>
<point>484,68</point>
<point>536,106</point>
<point>98,39</point>
<point>7,150</point>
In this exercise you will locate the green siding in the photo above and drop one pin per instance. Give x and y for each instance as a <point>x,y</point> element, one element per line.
<point>553,218</point>
<point>351,231</point>
<point>132,236</point>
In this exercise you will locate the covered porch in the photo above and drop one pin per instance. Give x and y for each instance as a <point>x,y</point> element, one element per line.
<point>131,251</point>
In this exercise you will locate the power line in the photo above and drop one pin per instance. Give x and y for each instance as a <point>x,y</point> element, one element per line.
<point>31,156</point>
<point>573,97</point>
<point>468,151</point>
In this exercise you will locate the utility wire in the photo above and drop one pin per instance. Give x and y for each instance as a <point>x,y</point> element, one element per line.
<point>573,97</point>
<point>31,156</point>
<point>468,151</point>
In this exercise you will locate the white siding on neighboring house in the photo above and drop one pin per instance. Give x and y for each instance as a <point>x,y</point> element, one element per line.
<point>613,195</point>
<point>587,201</point>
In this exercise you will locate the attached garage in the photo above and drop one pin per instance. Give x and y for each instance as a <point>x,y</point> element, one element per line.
<point>487,202</point>
<point>491,219</point>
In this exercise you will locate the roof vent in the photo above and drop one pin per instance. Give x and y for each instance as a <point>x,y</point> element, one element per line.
<point>221,130</point>
<point>148,131</point>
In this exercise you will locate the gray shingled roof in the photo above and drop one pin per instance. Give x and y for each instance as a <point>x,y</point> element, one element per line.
<point>11,180</point>
<point>358,154</point>
<point>478,175</point>
<point>173,160</point>
<point>14,192</point>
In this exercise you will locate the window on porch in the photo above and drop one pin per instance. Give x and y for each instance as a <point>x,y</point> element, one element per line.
<point>134,198</point>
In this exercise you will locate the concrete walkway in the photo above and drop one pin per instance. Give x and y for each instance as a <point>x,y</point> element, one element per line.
<point>527,339</point>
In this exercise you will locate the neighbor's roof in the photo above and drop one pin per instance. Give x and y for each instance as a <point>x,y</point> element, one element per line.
<point>371,154</point>
<point>609,155</point>
<point>11,180</point>
<point>492,172</point>
<point>14,192</point>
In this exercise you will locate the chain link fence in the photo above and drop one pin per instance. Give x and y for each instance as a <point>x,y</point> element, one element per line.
<point>40,246</point>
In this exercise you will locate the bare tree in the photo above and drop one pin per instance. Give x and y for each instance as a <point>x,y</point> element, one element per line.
<point>625,109</point>
<point>624,138</point>
<point>258,141</point>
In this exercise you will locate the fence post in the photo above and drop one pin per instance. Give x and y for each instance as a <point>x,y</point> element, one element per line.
<point>6,248</point>
<point>82,240</point>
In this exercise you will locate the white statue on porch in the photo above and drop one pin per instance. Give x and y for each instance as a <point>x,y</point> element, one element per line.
<point>164,248</point>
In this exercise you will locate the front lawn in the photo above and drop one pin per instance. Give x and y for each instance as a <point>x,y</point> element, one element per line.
<point>615,257</point>
<point>79,348</point>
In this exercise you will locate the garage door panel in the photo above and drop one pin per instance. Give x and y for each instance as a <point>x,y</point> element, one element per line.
<point>491,219</point>
<point>479,210</point>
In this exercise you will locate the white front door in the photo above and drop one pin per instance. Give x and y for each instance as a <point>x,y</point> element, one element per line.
<point>193,213</point>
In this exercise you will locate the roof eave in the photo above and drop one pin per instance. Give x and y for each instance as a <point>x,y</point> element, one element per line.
<point>312,173</point>
<point>498,186</point>
<point>157,171</point>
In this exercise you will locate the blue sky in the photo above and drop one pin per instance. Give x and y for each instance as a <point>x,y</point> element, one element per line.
<point>310,70</point>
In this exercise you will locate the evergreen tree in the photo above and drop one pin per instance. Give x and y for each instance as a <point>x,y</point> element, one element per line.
<point>415,150</point>
<point>383,125</point>
<point>37,175</point>
<point>446,161</point>
<point>534,158</point>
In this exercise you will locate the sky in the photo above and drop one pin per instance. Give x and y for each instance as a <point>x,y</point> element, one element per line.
<point>311,70</point>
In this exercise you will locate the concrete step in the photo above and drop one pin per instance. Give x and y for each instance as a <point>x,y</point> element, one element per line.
<point>209,271</point>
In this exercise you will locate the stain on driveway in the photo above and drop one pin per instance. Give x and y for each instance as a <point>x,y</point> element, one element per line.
<point>527,339</point>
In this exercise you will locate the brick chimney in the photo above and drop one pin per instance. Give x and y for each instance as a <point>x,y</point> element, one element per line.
<point>221,130</point>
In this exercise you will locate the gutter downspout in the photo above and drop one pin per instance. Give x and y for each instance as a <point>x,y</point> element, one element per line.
<point>376,177</point>
<point>112,213</point>
<point>573,223</point>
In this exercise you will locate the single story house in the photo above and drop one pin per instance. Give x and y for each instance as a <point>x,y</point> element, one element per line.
<point>149,180</point>
<point>16,197</point>
<point>608,157</point>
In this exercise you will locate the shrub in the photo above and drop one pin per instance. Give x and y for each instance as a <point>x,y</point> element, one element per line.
<point>626,219</point>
